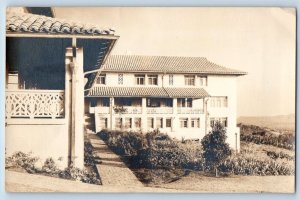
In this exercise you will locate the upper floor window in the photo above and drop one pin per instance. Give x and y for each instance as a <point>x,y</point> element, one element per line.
<point>140,79</point>
<point>184,102</point>
<point>171,79</point>
<point>203,80</point>
<point>101,79</point>
<point>218,102</point>
<point>152,79</point>
<point>120,79</point>
<point>189,80</point>
<point>221,120</point>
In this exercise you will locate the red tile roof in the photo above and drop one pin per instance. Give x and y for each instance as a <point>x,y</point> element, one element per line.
<point>26,22</point>
<point>165,64</point>
<point>107,91</point>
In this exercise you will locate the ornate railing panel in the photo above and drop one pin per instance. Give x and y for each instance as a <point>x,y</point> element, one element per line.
<point>133,110</point>
<point>34,104</point>
<point>189,111</point>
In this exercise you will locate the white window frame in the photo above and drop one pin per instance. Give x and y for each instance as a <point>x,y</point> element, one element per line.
<point>189,80</point>
<point>101,80</point>
<point>140,78</point>
<point>183,122</point>
<point>195,122</point>
<point>219,102</point>
<point>203,80</point>
<point>170,120</point>
<point>171,79</point>
<point>152,79</point>
<point>222,120</point>
<point>159,122</point>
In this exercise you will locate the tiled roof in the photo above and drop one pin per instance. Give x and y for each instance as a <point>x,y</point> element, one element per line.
<point>107,91</point>
<point>26,22</point>
<point>165,64</point>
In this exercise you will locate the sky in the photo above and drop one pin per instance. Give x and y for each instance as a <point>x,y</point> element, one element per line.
<point>260,41</point>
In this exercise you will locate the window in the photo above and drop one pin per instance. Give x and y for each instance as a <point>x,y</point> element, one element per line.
<point>203,81</point>
<point>185,102</point>
<point>171,79</point>
<point>105,101</point>
<point>123,101</point>
<point>183,122</point>
<point>120,79</point>
<point>159,122</point>
<point>218,102</point>
<point>93,102</point>
<point>222,120</point>
<point>140,79</point>
<point>195,123</point>
<point>103,122</point>
<point>189,80</point>
<point>150,122</point>
<point>137,122</point>
<point>128,123</point>
<point>153,102</point>
<point>152,79</point>
<point>169,102</point>
<point>118,123</point>
<point>168,123</point>
<point>101,79</point>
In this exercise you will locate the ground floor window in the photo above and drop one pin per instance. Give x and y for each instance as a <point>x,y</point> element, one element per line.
<point>118,123</point>
<point>103,122</point>
<point>137,122</point>
<point>128,122</point>
<point>168,123</point>
<point>150,122</point>
<point>159,122</point>
<point>195,123</point>
<point>183,122</point>
<point>222,120</point>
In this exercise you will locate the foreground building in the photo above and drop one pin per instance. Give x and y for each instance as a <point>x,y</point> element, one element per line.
<point>46,59</point>
<point>180,96</point>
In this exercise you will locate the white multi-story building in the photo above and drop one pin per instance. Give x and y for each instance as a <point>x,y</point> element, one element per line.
<point>180,96</point>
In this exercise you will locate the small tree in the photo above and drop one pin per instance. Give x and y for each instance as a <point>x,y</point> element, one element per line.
<point>215,148</point>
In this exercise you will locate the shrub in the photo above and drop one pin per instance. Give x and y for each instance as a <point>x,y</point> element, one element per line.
<point>250,166</point>
<point>22,160</point>
<point>215,148</point>
<point>274,155</point>
<point>50,166</point>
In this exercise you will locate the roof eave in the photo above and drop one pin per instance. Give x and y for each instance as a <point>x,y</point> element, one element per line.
<point>60,35</point>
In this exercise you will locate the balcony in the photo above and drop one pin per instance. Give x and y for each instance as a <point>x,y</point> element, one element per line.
<point>100,110</point>
<point>133,110</point>
<point>189,111</point>
<point>34,104</point>
<point>160,110</point>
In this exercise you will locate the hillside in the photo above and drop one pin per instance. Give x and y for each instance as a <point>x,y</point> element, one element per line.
<point>280,122</point>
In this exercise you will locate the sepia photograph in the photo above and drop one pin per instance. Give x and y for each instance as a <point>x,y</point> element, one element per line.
<point>150,99</point>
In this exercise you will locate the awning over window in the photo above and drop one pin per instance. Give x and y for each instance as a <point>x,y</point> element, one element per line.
<point>105,91</point>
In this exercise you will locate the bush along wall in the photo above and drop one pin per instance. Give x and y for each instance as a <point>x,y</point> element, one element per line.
<point>157,151</point>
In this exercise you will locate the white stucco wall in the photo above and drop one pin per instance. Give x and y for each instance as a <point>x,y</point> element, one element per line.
<point>43,141</point>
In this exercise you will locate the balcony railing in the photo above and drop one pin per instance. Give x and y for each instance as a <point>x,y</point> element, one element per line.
<point>34,104</point>
<point>100,110</point>
<point>133,110</point>
<point>189,111</point>
<point>160,110</point>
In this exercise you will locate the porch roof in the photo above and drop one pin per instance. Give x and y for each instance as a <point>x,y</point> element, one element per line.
<point>31,23</point>
<point>105,91</point>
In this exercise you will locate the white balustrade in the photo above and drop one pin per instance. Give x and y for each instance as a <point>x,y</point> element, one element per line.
<point>160,110</point>
<point>189,111</point>
<point>34,104</point>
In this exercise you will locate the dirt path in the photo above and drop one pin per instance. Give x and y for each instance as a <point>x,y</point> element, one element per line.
<point>112,170</point>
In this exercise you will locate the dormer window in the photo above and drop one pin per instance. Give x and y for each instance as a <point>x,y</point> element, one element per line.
<point>152,79</point>
<point>101,79</point>
<point>140,79</point>
<point>189,79</point>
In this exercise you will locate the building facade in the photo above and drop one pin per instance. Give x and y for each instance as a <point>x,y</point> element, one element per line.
<point>180,96</point>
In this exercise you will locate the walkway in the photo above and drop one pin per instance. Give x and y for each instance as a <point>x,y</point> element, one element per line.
<point>112,169</point>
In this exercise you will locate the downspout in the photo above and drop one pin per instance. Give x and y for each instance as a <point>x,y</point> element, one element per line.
<point>206,114</point>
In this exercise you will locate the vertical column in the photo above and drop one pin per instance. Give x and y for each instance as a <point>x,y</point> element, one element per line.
<point>111,113</point>
<point>68,106</point>
<point>78,106</point>
<point>174,123</point>
<point>206,115</point>
<point>144,115</point>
